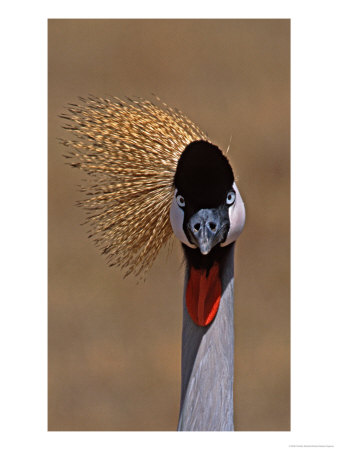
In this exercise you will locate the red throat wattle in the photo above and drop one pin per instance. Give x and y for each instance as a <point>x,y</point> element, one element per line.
<point>203,294</point>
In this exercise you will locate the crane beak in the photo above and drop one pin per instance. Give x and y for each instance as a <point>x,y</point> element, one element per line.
<point>208,227</point>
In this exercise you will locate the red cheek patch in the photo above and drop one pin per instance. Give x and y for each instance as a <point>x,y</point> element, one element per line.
<point>203,294</point>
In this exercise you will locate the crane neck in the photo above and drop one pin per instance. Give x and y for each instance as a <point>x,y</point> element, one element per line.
<point>208,360</point>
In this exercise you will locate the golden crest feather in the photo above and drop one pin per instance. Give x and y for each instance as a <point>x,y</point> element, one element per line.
<point>129,150</point>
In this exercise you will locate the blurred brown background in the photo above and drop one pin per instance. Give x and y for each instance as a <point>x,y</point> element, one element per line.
<point>114,344</point>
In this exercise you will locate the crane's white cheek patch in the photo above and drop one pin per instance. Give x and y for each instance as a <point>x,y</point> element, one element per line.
<point>176,220</point>
<point>236,217</point>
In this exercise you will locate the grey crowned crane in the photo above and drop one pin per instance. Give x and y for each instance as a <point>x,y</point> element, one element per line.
<point>151,172</point>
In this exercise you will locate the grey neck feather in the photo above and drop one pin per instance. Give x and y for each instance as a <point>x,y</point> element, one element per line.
<point>208,362</point>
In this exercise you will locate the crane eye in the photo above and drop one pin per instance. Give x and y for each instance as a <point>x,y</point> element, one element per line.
<point>230,198</point>
<point>180,201</point>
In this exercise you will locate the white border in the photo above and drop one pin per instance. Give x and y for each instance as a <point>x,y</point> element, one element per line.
<point>24,212</point>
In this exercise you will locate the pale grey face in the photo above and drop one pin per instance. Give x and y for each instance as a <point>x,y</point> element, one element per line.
<point>208,227</point>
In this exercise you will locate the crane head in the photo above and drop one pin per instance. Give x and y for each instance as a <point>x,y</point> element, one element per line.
<point>207,209</point>
<point>135,154</point>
